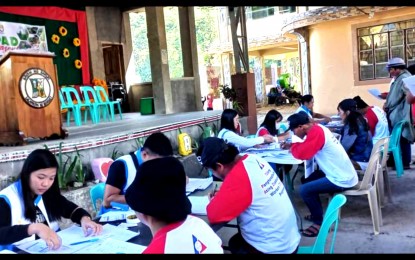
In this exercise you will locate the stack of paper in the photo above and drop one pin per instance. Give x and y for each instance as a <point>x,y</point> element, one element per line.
<point>111,240</point>
<point>198,184</point>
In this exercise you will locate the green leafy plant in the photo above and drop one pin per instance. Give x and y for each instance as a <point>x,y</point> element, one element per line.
<point>115,153</point>
<point>228,92</point>
<point>139,142</point>
<point>80,174</point>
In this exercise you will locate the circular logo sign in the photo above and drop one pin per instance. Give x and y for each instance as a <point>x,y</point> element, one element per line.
<point>36,88</point>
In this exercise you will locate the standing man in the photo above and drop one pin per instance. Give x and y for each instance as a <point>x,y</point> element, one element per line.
<point>398,109</point>
<point>251,192</point>
<point>123,170</point>
<point>336,172</point>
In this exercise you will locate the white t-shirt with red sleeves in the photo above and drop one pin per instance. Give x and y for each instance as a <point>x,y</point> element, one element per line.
<point>253,193</point>
<point>192,236</point>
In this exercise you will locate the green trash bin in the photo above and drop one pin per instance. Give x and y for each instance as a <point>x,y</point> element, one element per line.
<point>147,106</point>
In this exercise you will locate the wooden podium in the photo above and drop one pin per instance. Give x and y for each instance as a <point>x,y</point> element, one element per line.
<point>29,101</point>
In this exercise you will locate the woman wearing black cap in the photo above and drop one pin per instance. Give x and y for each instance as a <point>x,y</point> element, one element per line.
<point>355,134</point>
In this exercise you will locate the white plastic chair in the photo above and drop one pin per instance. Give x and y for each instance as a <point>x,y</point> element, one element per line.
<point>368,186</point>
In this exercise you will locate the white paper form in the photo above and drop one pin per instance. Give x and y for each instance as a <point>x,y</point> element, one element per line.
<point>199,204</point>
<point>198,184</point>
<point>375,92</point>
<point>115,215</point>
<point>410,84</point>
<point>74,234</point>
<point>112,246</point>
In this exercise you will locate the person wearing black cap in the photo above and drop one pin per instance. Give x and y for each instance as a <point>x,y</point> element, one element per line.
<point>158,196</point>
<point>376,119</point>
<point>123,170</point>
<point>336,172</point>
<point>251,192</point>
<point>397,108</point>
<point>356,138</point>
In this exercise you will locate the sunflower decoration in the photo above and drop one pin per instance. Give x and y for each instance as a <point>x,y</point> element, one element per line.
<point>66,53</point>
<point>55,39</point>
<point>76,42</point>
<point>63,31</point>
<point>78,64</point>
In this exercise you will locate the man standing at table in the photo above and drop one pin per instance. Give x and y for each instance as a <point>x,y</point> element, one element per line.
<point>337,172</point>
<point>397,108</point>
<point>251,192</point>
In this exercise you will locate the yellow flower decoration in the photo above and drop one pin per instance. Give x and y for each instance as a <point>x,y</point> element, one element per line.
<point>76,42</point>
<point>78,64</point>
<point>63,31</point>
<point>66,53</point>
<point>55,39</point>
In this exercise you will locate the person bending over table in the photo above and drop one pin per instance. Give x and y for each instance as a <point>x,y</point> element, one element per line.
<point>158,197</point>
<point>251,192</point>
<point>336,172</point>
<point>306,105</point>
<point>355,134</point>
<point>376,119</point>
<point>123,170</point>
<point>230,131</point>
<point>31,207</point>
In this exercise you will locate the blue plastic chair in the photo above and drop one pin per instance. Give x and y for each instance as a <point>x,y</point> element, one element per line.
<point>97,194</point>
<point>102,96</point>
<point>88,92</point>
<point>394,146</point>
<point>331,219</point>
<point>72,97</point>
<point>69,108</point>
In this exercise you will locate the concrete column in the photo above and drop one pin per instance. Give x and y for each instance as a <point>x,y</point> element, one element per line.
<point>189,49</point>
<point>303,39</point>
<point>244,85</point>
<point>157,43</point>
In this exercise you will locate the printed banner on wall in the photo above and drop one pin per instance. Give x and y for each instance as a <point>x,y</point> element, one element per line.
<point>22,36</point>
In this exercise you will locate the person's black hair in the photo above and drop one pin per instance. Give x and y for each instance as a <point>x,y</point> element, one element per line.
<point>225,156</point>
<point>269,121</point>
<point>360,103</point>
<point>354,118</point>
<point>40,159</point>
<point>158,144</point>
<point>305,98</point>
<point>226,119</point>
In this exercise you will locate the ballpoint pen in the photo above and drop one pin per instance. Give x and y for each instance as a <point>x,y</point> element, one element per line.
<point>84,241</point>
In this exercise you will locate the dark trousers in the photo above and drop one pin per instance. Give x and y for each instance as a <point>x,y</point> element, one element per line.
<point>238,245</point>
<point>406,151</point>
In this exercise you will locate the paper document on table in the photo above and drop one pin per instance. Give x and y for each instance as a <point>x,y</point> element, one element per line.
<point>115,215</point>
<point>199,204</point>
<point>198,184</point>
<point>375,92</point>
<point>74,240</point>
<point>6,251</point>
<point>264,148</point>
<point>113,246</point>
<point>410,84</point>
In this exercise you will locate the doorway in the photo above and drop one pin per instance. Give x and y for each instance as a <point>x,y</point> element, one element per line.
<point>115,73</point>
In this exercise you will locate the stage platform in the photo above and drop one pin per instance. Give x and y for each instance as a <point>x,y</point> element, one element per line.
<point>100,140</point>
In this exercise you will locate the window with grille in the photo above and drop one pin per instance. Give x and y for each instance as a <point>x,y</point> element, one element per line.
<point>376,44</point>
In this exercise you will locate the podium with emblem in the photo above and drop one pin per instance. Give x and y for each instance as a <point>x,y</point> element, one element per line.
<point>29,99</point>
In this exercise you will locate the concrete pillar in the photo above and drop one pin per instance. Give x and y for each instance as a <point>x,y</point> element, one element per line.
<point>157,43</point>
<point>244,85</point>
<point>189,49</point>
<point>303,39</point>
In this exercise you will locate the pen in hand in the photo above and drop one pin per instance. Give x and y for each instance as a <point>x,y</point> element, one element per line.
<point>212,194</point>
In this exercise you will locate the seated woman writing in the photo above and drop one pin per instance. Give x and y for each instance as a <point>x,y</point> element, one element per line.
<point>229,131</point>
<point>271,125</point>
<point>355,134</point>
